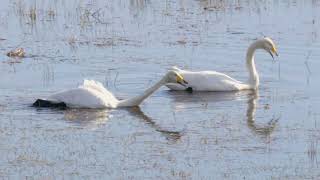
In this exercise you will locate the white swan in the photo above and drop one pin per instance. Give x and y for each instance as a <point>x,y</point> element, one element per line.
<point>92,94</point>
<point>215,81</point>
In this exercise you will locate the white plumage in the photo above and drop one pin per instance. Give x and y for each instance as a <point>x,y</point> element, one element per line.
<point>92,94</point>
<point>216,81</point>
<point>207,81</point>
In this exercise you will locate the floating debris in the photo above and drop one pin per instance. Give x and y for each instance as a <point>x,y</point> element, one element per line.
<point>266,106</point>
<point>182,42</point>
<point>19,52</point>
<point>214,8</point>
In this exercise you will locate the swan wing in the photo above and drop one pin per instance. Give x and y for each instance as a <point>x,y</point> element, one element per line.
<point>84,97</point>
<point>96,85</point>
<point>207,81</point>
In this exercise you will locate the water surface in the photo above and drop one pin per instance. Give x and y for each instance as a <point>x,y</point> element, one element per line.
<point>128,45</point>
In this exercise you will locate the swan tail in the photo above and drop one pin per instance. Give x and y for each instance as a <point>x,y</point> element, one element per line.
<point>49,104</point>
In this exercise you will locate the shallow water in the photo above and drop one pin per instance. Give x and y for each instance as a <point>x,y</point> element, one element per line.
<point>128,45</point>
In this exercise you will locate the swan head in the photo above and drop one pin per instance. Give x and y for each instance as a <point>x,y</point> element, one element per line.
<point>175,77</point>
<point>269,46</point>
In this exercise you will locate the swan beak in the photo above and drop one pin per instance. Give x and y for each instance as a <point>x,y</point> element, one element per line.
<point>273,51</point>
<point>271,54</point>
<point>180,80</point>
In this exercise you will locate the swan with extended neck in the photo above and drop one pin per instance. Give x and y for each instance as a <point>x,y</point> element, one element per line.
<point>215,81</point>
<point>92,94</point>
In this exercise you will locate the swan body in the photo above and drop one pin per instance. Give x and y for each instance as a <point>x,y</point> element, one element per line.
<point>92,94</point>
<point>216,81</point>
<point>208,81</point>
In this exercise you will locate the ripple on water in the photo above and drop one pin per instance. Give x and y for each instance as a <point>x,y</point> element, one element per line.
<point>128,45</point>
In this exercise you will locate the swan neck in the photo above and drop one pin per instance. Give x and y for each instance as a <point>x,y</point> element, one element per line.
<point>136,101</point>
<point>253,80</point>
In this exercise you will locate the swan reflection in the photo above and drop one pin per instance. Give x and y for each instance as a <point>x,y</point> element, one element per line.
<point>93,118</point>
<point>170,135</point>
<point>183,100</point>
<point>264,130</point>
<point>89,118</point>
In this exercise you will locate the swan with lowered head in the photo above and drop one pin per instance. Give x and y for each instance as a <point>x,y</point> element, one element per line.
<point>92,94</point>
<point>215,81</point>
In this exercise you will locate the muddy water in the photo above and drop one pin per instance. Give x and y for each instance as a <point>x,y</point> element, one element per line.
<point>128,45</point>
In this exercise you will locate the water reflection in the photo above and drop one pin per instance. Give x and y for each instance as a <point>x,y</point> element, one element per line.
<point>93,118</point>
<point>263,130</point>
<point>89,118</point>
<point>172,136</point>
<point>184,100</point>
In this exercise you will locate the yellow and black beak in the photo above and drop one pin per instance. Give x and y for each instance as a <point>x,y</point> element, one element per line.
<point>180,80</point>
<point>273,51</point>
